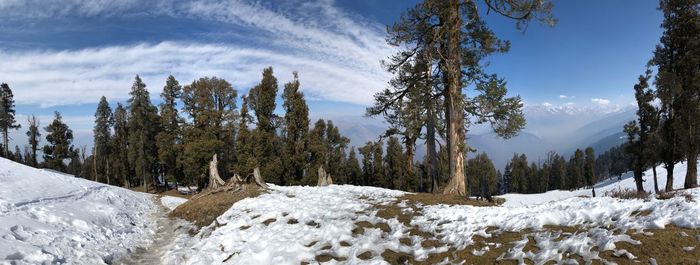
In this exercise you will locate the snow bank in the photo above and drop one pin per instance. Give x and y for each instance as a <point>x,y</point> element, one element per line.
<point>626,182</point>
<point>51,217</point>
<point>172,202</point>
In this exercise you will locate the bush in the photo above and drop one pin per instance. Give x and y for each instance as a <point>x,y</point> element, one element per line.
<point>627,194</point>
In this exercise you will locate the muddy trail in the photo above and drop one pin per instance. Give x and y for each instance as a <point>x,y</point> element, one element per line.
<point>168,229</point>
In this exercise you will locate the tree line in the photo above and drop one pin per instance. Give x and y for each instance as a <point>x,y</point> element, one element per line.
<point>137,142</point>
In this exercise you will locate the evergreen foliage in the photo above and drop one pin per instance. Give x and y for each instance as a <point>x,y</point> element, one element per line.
<point>59,145</point>
<point>7,116</point>
<point>144,124</point>
<point>102,132</point>
<point>34,137</point>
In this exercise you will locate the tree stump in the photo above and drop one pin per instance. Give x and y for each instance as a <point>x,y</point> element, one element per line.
<point>323,178</point>
<point>215,181</point>
<point>258,178</point>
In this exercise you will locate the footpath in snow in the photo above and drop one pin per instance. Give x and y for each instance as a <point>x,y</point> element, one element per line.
<point>48,217</point>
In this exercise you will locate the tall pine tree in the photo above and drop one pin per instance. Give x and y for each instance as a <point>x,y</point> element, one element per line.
<point>296,130</point>
<point>7,115</point>
<point>59,145</point>
<point>34,137</point>
<point>143,124</point>
<point>169,141</point>
<point>104,120</point>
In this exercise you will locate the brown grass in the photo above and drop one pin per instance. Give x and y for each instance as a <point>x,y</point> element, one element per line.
<point>203,210</point>
<point>672,194</point>
<point>449,199</point>
<point>627,194</point>
<point>666,246</point>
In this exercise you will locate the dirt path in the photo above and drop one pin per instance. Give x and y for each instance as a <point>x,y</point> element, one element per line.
<point>167,231</point>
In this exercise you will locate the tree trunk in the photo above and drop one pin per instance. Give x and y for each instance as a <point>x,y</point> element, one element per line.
<point>258,178</point>
<point>638,174</point>
<point>321,177</point>
<point>432,152</point>
<point>691,176</point>
<point>453,101</point>
<point>669,176</point>
<point>4,142</point>
<point>656,185</point>
<point>94,161</point>
<point>215,180</point>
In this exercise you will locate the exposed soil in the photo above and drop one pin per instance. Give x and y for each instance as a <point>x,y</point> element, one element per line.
<point>203,210</point>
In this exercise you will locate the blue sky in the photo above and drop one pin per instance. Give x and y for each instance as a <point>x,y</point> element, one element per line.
<point>63,55</point>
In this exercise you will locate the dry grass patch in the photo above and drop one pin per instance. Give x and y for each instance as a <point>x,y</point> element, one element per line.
<point>672,194</point>
<point>203,210</point>
<point>449,199</point>
<point>627,194</point>
<point>666,246</point>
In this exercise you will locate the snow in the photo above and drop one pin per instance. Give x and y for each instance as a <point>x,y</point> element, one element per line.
<point>49,217</point>
<point>609,185</point>
<point>289,225</point>
<point>303,215</point>
<point>172,202</point>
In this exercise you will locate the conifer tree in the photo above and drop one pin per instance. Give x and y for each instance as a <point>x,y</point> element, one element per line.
<point>210,103</point>
<point>120,144</point>
<point>575,170</point>
<point>395,165</point>
<point>483,178</point>
<point>352,169</point>
<point>143,124</point>
<point>455,29</point>
<point>367,165</point>
<point>296,139</point>
<point>18,155</point>
<point>335,144</point>
<point>102,132</point>
<point>261,100</point>
<point>169,141</point>
<point>34,138</point>
<point>245,162</point>
<point>59,145</point>
<point>589,170</point>
<point>379,176</point>
<point>640,132</point>
<point>676,58</point>
<point>7,115</point>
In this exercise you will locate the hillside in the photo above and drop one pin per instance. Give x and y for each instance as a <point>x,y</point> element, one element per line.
<point>49,217</point>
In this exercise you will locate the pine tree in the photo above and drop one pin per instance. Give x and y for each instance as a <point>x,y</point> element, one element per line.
<point>335,144</point>
<point>379,175</point>
<point>640,132</point>
<point>589,170</point>
<point>143,124</point>
<point>246,162</point>
<point>395,165</point>
<point>575,170</point>
<point>368,178</point>
<point>296,131</point>
<point>318,151</point>
<point>210,103</point>
<point>676,58</point>
<point>483,177</point>
<point>119,157</point>
<point>7,115</point>
<point>34,138</point>
<point>453,34</point>
<point>261,100</point>
<point>104,120</point>
<point>59,146</point>
<point>18,155</point>
<point>169,141</point>
<point>352,169</point>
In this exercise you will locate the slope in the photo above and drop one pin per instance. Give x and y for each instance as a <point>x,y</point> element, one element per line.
<point>51,217</point>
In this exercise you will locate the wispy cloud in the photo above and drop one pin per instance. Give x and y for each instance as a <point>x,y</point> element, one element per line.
<point>566,97</point>
<point>337,53</point>
<point>601,101</point>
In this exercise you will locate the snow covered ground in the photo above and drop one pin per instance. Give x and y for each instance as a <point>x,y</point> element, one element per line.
<point>289,225</point>
<point>48,217</point>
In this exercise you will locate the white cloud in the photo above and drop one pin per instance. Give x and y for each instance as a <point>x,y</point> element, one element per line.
<point>337,54</point>
<point>601,101</point>
<point>563,96</point>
